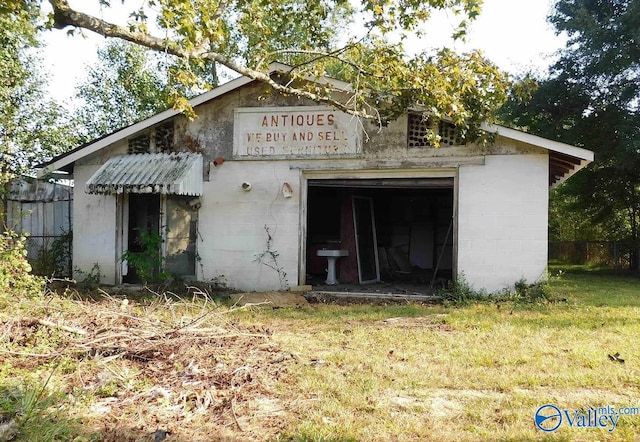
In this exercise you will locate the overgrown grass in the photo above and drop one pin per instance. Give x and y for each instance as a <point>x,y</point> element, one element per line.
<point>473,372</point>
<point>326,372</point>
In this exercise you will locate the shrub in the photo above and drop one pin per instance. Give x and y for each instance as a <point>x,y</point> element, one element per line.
<point>29,414</point>
<point>149,260</point>
<point>531,293</point>
<point>16,279</point>
<point>56,259</point>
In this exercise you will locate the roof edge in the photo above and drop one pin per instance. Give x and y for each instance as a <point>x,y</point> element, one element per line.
<point>545,143</point>
<point>67,158</point>
<point>72,156</point>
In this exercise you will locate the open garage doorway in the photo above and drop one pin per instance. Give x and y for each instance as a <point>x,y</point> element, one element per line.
<point>391,235</point>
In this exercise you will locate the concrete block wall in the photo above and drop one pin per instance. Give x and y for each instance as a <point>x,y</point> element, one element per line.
<point>232,224</point>
<point>94,229</point>
<point>502,221</point>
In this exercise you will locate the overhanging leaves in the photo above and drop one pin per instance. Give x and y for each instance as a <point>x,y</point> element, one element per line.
<point>351,40</point>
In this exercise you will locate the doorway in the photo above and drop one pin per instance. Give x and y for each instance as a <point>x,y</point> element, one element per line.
<point>161,236</point>
<point>399,233</point>
<point>143,227</point>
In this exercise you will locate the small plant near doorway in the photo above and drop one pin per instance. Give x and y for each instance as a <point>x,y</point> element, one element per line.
<point>270,257</point>
<point>460,293</point>
<point>149,259</point>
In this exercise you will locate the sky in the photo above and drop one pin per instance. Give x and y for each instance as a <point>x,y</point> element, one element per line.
<point>514,34</point>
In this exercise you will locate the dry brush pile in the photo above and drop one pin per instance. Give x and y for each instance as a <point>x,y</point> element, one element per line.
<point>133,370</point>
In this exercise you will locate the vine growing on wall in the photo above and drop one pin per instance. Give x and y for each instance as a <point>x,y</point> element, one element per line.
<point>269,258</point>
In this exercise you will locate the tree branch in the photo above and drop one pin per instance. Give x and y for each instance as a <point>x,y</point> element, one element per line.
<point>318,56</point>
<point>65,16</point>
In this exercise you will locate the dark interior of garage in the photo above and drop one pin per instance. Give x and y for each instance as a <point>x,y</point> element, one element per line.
<point>398,233</point>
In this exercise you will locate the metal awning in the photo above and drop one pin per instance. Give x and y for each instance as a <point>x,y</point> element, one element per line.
<point>165,173</point>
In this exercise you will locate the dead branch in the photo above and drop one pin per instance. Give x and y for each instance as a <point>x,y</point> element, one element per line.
<point>31,355</point>
<point>127,316</point>
<point>68,328</point>
<point>246,306</point>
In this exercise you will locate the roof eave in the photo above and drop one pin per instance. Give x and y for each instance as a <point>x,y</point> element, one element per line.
<point>571,158</point>
<point>545,143</point>
<point>70,158</point>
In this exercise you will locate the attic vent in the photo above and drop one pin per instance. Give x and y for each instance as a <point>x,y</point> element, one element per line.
<point>162,141</point>
<point>139,144</point>
<point>418,128</point>
<point>164,137</point>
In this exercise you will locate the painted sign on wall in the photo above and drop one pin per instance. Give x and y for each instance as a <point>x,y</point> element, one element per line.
<point>300,131</point>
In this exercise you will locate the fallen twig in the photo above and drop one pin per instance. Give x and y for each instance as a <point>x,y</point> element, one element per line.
<point>32,355</point>
<point>68,328</point>
<point>243,307</point>
<point>233,412</point>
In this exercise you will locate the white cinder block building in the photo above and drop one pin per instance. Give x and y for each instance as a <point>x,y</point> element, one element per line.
<point>258,184</point>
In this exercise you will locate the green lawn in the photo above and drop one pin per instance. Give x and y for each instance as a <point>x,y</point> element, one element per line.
<point>324,372</point>
<point>477,372</point>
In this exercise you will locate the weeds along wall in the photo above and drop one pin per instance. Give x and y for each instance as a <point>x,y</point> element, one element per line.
<point>232,224</point>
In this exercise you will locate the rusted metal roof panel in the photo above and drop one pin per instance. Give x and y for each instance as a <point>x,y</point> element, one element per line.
<point>40,191</point>
<point>165,173</point>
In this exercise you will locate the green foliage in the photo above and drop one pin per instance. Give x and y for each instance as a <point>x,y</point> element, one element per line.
<point>32,128</point>
<point>531,293</point>
<point>590,99</point>
<point>447,84</point>
<point>149,259</point>
<point>54,260</point>
<point>16,279</point>
<point>90,280</point>
<point>361,42</point>
<point>460,292</point>
<point>126,85</point>
<point>28,414</point>
<point>567,220</point>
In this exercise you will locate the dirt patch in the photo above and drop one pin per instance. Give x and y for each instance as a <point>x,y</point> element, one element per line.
<point>441,403</point>
<point>446,404</point>
<point>433,321</point>
<point>270,299</point>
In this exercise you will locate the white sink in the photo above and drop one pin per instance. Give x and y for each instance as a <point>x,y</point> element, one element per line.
<point>332,256</point>
<point>333,253</point>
